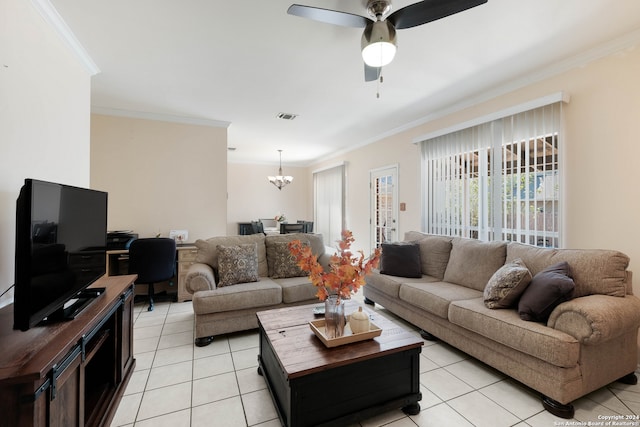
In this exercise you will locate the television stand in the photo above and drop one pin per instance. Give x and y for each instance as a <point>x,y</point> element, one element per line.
<point>69,373</point>
<point>91,292</point>
<point>71,311</point>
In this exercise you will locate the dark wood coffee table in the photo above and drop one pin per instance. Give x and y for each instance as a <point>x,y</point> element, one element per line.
<point>314,385</point>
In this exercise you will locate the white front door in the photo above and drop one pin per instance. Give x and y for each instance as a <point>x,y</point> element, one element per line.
<point>384,205</point>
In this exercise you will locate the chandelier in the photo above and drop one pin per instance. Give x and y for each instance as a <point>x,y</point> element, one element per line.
<point>280,180</point>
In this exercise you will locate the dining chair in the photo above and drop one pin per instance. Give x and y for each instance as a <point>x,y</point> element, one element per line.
<point>308,225</point>
<point>291,228</point>
<point>257,227</point>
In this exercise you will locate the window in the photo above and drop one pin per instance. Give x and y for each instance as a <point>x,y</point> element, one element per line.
<point>498,180</point>
<point>328,204</point>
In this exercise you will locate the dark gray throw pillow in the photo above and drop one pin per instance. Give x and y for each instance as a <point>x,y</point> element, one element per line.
<point>548,288</point>
<point>401,259</point>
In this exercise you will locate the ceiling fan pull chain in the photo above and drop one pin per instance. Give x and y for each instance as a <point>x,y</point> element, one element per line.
<point>380,81</point>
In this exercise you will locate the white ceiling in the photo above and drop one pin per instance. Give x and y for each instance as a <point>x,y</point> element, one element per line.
<point>245,61</point>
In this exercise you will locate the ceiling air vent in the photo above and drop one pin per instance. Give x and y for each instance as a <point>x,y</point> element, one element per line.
<point>287,116</point>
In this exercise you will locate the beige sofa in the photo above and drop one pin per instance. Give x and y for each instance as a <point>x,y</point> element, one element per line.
<point>587,342</point>
<point>224,309</point>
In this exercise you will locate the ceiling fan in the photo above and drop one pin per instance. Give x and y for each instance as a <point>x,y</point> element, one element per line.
<point>379,36</point>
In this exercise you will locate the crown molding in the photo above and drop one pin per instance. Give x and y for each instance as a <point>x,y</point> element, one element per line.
<point>159,117</point>
<point>330,166</point>
<point>627,41</point>
<point>516,109</point>
<point>53,18</point>
<point>602,50</point>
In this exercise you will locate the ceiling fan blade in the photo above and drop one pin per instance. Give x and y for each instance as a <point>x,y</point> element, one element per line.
<point>371,73</point>
<point>428,11</point>
<point>328,16</point>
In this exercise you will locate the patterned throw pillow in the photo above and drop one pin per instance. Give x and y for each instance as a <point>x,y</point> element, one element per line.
<point>237,264</point>
<point>507,284</point>
<point>284,263</point>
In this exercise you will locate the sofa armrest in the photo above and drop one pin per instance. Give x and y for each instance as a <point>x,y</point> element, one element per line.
<point>595,319</point>
<point>200,278</point>
<point>324,259</point>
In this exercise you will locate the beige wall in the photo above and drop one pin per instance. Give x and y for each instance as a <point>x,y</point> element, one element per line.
<point>44,117</point>
<point>359,163</point>
<point>161,176</point>
<point>601,198</point>
<point>252,196</point>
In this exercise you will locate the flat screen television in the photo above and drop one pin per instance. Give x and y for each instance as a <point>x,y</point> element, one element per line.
<point>61,238</point>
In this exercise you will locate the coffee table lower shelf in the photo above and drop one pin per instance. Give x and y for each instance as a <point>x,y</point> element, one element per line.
<point>345,395</point>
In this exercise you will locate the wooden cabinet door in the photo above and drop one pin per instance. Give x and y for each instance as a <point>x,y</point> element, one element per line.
<point>66,397</point>
<point>125,320</point>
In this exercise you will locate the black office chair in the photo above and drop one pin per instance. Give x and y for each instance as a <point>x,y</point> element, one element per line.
<point>153,260</point>
<point>291,228</point>
<point>308,225</point>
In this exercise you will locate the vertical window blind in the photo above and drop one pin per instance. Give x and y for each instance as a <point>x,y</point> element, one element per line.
<point>328,190</point>
<point>498,180</point>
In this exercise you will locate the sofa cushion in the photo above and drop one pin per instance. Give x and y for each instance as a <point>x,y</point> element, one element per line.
<point>208,254</point>
<point>435,297</point>
<point>547,290</point>
<point>390,285</point>
<point>296,289</point>
<point>595,271</point>
<point>506,327</point>
<point>237,264</point>
<point>315,240</point>
<point>263,293</point>
<point>415,236</point>
<point>401,259</point>
<point>473,262</point>
<point>284,263</point>
<point>434,252</point>
<point>506,285</point>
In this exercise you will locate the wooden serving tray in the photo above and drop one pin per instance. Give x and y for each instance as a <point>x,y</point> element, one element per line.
<point>317,326</point>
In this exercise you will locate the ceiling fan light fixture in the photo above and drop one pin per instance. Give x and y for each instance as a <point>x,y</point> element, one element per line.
<point>378,43</point>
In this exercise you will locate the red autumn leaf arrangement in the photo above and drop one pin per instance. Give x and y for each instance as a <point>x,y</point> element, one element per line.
<point>346,271</point>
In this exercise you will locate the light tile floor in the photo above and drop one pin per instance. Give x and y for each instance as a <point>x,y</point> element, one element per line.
<point>178,384</point>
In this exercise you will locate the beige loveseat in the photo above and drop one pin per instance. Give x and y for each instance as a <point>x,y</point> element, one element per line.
<point>224,309</point>
<point>587,342</point>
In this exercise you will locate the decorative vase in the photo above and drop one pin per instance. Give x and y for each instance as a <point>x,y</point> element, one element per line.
<point>334,316</point>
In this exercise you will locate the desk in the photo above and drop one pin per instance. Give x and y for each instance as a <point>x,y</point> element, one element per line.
<point>186,256</point>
